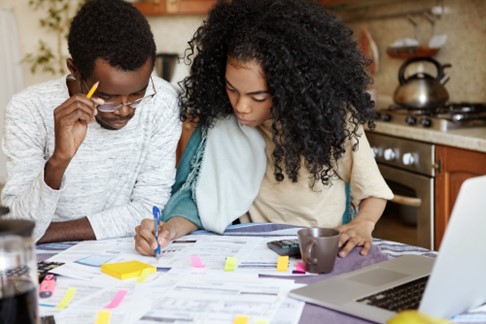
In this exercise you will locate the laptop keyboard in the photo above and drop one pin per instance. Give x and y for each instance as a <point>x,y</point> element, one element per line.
<point>396,299</point>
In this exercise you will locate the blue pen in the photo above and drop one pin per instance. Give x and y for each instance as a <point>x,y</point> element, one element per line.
<point>156,212</point>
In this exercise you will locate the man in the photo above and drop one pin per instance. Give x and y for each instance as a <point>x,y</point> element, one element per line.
<point>93,168</point>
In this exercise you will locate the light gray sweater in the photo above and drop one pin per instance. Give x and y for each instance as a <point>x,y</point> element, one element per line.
<point>115,177</point>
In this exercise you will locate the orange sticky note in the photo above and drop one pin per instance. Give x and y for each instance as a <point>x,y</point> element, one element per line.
<point>283,263</point>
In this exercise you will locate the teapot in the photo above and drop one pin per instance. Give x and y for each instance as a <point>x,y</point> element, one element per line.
<point>421,90</point>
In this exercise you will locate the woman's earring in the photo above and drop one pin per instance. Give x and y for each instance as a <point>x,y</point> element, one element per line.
<point>71,77</point>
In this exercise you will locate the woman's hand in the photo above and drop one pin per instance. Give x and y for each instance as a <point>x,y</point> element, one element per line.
<point>175,227</point>
<point>358,231</point>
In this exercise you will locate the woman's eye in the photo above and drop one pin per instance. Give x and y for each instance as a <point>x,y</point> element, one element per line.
<point>230,89</point>
<point>259,99</point>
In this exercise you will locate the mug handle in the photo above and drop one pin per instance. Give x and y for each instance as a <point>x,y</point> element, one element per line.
<point>308,252</point>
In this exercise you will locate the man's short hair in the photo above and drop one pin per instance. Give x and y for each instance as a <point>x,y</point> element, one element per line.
<point>112,30</point>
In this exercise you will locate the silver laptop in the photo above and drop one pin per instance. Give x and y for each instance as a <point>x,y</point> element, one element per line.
<point>454,283</point>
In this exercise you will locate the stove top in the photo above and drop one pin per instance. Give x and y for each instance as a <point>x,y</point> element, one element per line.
<point>450,116</point>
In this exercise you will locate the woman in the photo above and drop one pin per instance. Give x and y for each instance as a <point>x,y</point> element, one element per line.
<point>278,92</point>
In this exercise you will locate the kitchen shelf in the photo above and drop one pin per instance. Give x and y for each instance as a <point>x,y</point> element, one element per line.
<point>174,7</point>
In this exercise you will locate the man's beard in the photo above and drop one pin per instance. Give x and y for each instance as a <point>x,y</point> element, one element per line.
<point>106,126</point>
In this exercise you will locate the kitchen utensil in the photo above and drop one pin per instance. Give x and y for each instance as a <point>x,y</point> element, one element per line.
<point>18,272</point>
<point>421,90</point>
<point>165,64</point>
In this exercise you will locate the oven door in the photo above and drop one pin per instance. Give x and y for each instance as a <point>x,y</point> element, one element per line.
<point>408,218</point>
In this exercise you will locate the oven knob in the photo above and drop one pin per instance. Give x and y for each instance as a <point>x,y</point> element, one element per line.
<point>385,117</point>
<point>375,151</point>
<point>408,159</point>
<point>389,154</point>
<point>410,120</point>
<point>426,122</point>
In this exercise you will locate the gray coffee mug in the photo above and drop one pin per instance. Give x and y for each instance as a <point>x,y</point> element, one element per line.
<point>318,248</point>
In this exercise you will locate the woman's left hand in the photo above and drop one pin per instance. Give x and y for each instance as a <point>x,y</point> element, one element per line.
<point>356,233</point>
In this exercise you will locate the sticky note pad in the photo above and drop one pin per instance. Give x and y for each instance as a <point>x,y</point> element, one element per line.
<point>128,269</point>
<point>66,299</point>
<point>300,266</point>
<point>230,264</point>
<point>283,263</point>
<point>240,319</point>
<point>103,317</point>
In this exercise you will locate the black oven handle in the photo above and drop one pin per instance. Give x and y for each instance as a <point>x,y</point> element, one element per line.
<point>407,201</point>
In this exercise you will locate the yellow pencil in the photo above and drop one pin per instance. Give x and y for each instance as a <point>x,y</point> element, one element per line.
<point>92,90</point>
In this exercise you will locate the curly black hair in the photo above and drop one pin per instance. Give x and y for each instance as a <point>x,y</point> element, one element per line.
<point>315,72</point>
<point>112,30</point>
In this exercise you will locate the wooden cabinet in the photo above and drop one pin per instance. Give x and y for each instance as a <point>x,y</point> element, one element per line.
<point>174,7</point>
<point>454,165</point>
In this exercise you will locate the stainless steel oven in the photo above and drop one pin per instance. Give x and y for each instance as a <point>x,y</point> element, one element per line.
<point>408,168</point>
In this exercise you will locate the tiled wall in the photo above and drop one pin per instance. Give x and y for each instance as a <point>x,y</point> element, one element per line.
<point>463,23</point>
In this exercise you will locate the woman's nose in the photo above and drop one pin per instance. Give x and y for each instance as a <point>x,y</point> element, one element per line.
<point>242,106</point>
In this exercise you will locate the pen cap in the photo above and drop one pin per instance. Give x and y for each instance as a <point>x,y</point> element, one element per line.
<point>18,272</point>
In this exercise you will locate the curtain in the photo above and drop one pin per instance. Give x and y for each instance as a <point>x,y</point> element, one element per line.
<point>10,68</point>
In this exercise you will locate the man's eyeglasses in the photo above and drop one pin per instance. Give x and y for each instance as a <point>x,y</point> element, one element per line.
<point>109,107</point>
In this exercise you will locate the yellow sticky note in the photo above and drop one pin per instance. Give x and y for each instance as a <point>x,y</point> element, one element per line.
<point>240,319</point>
<point>283,263</point>
<point>128,269</point>
<point>66,299</point>
<point>103,317</point>
<point>230,264</point>
<point>144,274</point>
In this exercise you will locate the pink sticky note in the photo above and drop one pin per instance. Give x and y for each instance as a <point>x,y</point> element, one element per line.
<point>300,266</point>
<point>117,299</point>
<point>196,262</point>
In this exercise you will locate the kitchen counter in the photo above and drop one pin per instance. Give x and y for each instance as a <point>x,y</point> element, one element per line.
<point>465,138</point>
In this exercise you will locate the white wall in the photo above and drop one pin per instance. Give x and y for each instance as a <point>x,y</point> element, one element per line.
<point>171,35</point>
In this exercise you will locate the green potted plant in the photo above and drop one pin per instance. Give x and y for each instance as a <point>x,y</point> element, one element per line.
<point>57,18</point>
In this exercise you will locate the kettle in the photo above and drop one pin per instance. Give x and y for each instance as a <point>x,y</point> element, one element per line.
<point>421,90</point>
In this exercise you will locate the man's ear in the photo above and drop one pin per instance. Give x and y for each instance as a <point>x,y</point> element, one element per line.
<point>73,69</point>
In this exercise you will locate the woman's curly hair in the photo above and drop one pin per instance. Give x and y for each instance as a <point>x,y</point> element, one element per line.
<point>316,76</point>
<point>112,30</point>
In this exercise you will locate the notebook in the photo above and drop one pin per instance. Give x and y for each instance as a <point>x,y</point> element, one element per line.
<point>455,280</point>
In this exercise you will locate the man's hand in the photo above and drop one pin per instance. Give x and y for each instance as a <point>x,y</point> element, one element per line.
<point>174,228</point>
<point>71,123</point>
<point>70,126</point>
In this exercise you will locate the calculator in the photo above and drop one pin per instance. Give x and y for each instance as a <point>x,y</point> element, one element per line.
<point>288,247</point>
